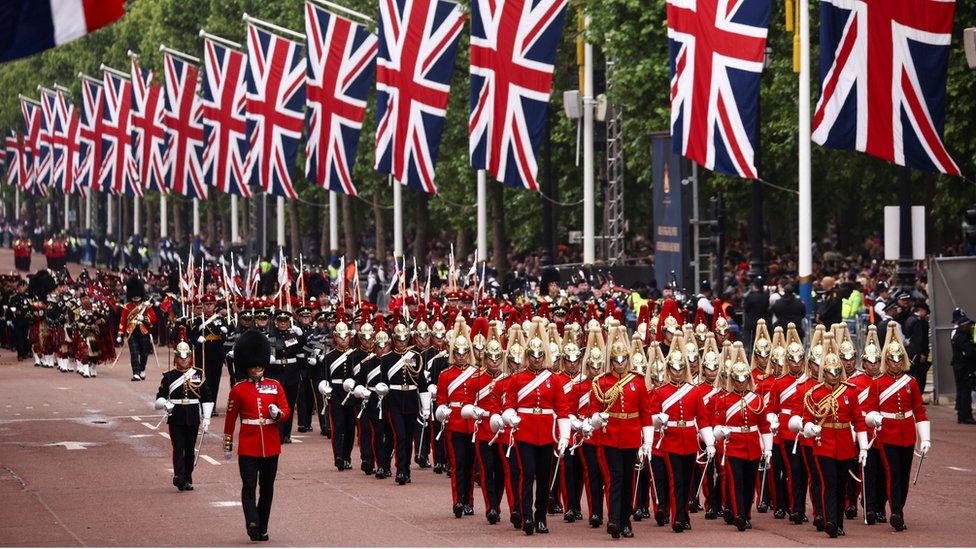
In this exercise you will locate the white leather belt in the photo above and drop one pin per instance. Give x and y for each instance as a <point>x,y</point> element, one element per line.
<point>455,404</point>
<point>338,381</point>
<point>536,411</point>
<point>786,411</point>
<point>262,421</point>
<point>898,415</point>
<point>744,429</point>
<point>286,361</point>
<point>184,401</point>
<point>682,423</point>
<point>402,387</point>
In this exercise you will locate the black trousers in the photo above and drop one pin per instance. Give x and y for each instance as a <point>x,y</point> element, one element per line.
<point>833,476</point>
<point>816,494</point>
<point>255,472</point>
<point>741,477</point>
<point>382,441</point>
<point>402,427</point>
<point>140,347</point>
<point>964,392</point>
<point>421,440</point>
<point>343,429</point>
<point>620,486</point>
<point>780,477</point>
<point>662,484</point>
<point>184,440</point>
<point>492,474</point>
<point>897,462</point>
<point>291,393</point>
<point>680,468</point>
<point>712,487</point>
<point>572,477</point>
<point>594,479</point>
<point>514,481</point>
<point>875,484</point>
<point>308,402</point>
<point>535,462</point>
<point>21,340</point>
<point>439,445</point>
<point>797,475</point>
<point>366,446</point>
<point>461,454</point>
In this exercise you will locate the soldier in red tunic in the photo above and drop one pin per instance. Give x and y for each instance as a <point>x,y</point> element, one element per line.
<point>707,389</point>
<point>895,402</point>
<point>22,254</point>
<point>873,481</point>
<point>487,410</point>
<point>595,360</point>
<point>261,404</point>
<point>786,401</point>
<point>576,387</point>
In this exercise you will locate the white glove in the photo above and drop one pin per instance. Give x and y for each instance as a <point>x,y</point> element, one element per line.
<point>228,455</point>
<point>274,411</point>
<point>587,428</point>
<point>432,389</point>
<point>382,389</point>
<point>924,431</point>
<point>348,384</point>
<point>767,457</point>
<point>660,420</point>
<point>721,432</point>
<point>509,416</point>
<point>598,421</point>
<point>442,413</point>
<point>425,406</point>
<point>208,408</point>
<point>862,440</point>
<point>223,329</point>
<point>796,424</point>
<point>169,406</point>
<point>773,420</point>
<point>565,428</point>
<point>496,423</point>
<point>312,361</point>
<point>862,457</point>
<point>873,419</point>
<point>296,330</point>
<point>710,451</point>
<point>811,431</point>
<point>324,387</point>
<point>468,411</point>
<point>360,392</point>
<point>160,403</point>
<point>118,339</point>
<point>707,435</point>
<point>140,318</point>
<point>230,354</point>
<point>205,424</point>
<point>562,445</point>
<point>480,413</point>
<point>201,339</point>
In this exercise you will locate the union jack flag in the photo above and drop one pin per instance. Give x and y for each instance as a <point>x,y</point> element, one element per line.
<point>148,130</point>
<point>275,98</point>
<point>13,155</point>
<point>44,154</point>
<point>513,48</point>
<point>31,111</point>
<point>3,152</point>
<point>717,48</point>
<point>64,139</point>
<point>118,173</point>
<point>224,125</point>
<point>341,61</point>
<point>92,128</point>
<point>417,46</point>
<point>883,80</point>
<point>184,128</point>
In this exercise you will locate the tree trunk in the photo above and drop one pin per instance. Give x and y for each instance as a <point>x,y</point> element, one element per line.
<point>350,230</point>
<point>293,220</point>
<point>461,245</point>
<point>224,201</point>
<point>421,213</point>
<point>499,242</point>
<point>176,211</point>
<point>211,206</point>
<point>378,225</point>
<point>151,215</point>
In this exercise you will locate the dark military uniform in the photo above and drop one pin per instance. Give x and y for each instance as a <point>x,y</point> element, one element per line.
<point>191,400</point>
<point>373,418</point>
<point>287,360</point>
<point>404,373</point>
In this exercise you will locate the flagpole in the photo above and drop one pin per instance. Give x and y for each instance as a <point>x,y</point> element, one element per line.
<point>16,204</point>
<point>109,225</point>
<point>234,221</point>
<point>397,219</point>
<point>333,222</point>
<point>482,216</point>
<point>196,217</point>
<point>135,215</point>
<point>67,207</point>
<point>88,208</point>
<point>589,255</point>
<point>163,228</point>
<point>805,255</point>
<point>281,221</point>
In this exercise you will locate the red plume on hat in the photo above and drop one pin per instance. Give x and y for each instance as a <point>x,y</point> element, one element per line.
<point>544,310</point>
<point>421,315</point>
<point>340,315</point>
<point>436,314</point>
<point>700,317</point>
<point>668,308</point>
<point>379,323</point>
<point>479,327</point>
<point>526,311</point>
<point>364,316</point>
<point>494,313</point>
<point>608,312</point>
<point>590,311</point>
<point>574,315</point>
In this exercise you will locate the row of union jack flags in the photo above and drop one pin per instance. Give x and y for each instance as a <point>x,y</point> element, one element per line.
<point>241,126</point>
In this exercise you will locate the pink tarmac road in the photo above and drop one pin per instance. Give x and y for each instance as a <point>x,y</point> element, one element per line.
<point>83,463</point>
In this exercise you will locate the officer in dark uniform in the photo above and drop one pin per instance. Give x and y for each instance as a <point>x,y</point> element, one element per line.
<point>421,344</point>
<point>308,395</point>
<point>320,371</point>
<point>287,344</point>
<point>373,410</point>
<point>964,368</point>
<point>436,363</point>
<point>209,331</point>
<point>20,309</point>
<point>337,368</point>
<point>362,354</point>
<point>189,402</point>
<point>403,371</point>
<point>245,320</point>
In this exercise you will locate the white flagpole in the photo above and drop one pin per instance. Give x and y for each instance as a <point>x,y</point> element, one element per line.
<point>397,219</point>
<point>50,219</point>
<point>88,208</point>
<point>589,255</point>
<point>805,263</point>
<point>234,221</point>
<point>333,222</point>
<point>482,216</point>
<point>16,204</point>
<point>163,226</point>
<point>135,215</point>
<point>109,206</point>
<point>281,221</point>
<point>196,217</point>
<point>67,209</point>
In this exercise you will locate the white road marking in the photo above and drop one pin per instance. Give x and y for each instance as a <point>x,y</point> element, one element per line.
<point>139,436</point>
<point>136,418</point>
<point>960,469</point>
<point>225,504</point>
<point>164,435</point>
<point>209,459</point>
<point>150,425</point>
<point>28,407</point>
<point>46,404</point>
<point>72,445</point>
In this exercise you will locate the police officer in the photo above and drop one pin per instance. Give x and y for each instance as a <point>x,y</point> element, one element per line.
<point>261,404</point>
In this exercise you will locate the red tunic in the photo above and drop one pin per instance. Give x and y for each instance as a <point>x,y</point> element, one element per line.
<point>786,400</point>
<point>836,439</point>
<point>539,400</point>
<point>455,388</point>
<point>149,317</point>
<point>628,413</point>
<point>686,414</point>
<point>490,399</point>
<point>900,403</point>
<point>745,416</point>
<point>259,435</point>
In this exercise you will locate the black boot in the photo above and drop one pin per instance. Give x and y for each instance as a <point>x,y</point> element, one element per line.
<point>613,530</point>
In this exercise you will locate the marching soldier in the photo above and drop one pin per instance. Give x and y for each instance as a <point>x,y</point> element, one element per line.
<point>427,352</point>
<point>873,481</point>
<point>437,363</point>
<point>338,363</point>
<point>405,403</point>
<point>22,254</point>
<point>261,404</point>
<point>189,403</point>
<point>135,323</point>
<point>576,387</point>
<point>896,402</point>
<point>709,387</point>
<point>786,401</point>
<point>376,390</point>
<point>287,343</point>
<point>487,410</point>
<point>360,360</point>
<point>308,403</point>
<point>209,331</point>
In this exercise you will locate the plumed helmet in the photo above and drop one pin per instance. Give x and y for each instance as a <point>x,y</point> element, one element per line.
<point>183,350</point>
<point>872,348</point>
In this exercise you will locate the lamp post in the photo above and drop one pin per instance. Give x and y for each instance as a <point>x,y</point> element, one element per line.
<point>756,262</point>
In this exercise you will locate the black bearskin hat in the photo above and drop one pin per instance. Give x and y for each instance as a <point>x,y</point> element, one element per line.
<point>135,288</point>
<point>41,284</point>
<point>252,349</point>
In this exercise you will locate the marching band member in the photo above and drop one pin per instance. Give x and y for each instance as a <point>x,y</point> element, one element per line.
<point>679,417</point>
<point>895,403</point>
<point>740,418</point>
<point>376,389</point>
<point>513,362</point>
<point>848,359</point>
<point>261,404</point>
<point>420,332</point>
<point>534,397</point>
<point>135,322</point>
<point>786,400</point>
<point>620,395</point>
<point>830,409</point>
